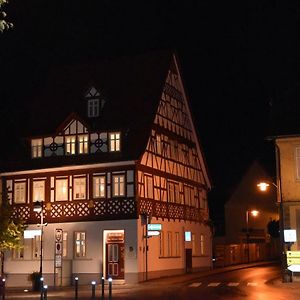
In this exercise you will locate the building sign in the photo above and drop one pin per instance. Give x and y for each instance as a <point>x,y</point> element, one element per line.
<point>58,247</point>
<point>153,233</point>
<point>154,227</point>
<point>30,234</point>
<point>290,235</point>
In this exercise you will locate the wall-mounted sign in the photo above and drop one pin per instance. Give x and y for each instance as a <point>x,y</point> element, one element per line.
<point>154,227</point>
<point>58,247</point>
<point>153,233</point>
<point>290,235</point>
<point>188,236</point>
<point>30,234</point>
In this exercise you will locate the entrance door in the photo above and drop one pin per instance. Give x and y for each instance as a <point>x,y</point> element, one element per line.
<point>115,260</point>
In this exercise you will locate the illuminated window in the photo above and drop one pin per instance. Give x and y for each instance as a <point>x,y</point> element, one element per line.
<point>161,244</point>
<point>118,185</point>
<point>169,244</point>
<point>79,188</point>
<point>114,141</point>
<point>99,186</point>
<point>177,244</point>
<point>83,144</point>
<point>38,190</point>
<point>61,189</point>
<point>298,162</point>
<point>80,244</point>
<point>36,148</point>
<point>20,192</point>
<point>193,244</point>
<point>148,187</point>
<point>70,144</point>
<point>36,247</point>
<point>202,250</point>
<point>65,244</point>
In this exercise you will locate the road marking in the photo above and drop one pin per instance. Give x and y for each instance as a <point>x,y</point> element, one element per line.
<point>195,284</point>
<point>233,284</point>
<point>251,284</point>
<point>214,284</point>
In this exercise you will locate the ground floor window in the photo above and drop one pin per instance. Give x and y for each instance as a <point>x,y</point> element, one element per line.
<point>80,244</point>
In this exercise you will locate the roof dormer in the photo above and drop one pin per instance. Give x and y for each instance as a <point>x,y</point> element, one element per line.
<point>94,102</point>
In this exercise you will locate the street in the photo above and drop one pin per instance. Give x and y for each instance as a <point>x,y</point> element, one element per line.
<point>255,283</point>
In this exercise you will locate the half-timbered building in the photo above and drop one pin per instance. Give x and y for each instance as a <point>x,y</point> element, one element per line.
<point>111,147</point>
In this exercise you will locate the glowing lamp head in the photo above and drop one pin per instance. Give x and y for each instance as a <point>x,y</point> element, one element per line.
<point>254,213</point>
<point>263,186</point>
<point>37,207</point>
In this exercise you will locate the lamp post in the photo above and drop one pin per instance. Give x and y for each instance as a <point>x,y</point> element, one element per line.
<point>263,186</point>
<point>38,207</point>
<point>254,213</point>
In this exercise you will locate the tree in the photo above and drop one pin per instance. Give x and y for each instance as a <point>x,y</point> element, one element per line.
<point>11,229</point>
<point>3,23</point>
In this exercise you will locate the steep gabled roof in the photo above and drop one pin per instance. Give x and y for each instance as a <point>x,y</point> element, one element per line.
<point>131,87</point>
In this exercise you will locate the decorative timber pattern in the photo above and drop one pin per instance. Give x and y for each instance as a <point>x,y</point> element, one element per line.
<point>79,210</point>
<point>171,179</point>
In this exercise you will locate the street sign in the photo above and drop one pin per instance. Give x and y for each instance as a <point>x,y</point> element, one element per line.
<point>290,235</point>
<point>154,227</point>
<point>294,268</point>
<point>293,261</point>
<point>153,233</point>
<point>293,254</point>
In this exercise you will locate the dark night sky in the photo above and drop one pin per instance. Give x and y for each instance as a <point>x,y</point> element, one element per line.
<point>236,57</point>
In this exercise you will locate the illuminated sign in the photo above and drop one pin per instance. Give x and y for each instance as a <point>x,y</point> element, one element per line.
<point>153,233</point>
<point>188,236</point>
<point>154,227</point>
<point>293,254</point>
<point>290,235</point>
<point>30,234</point>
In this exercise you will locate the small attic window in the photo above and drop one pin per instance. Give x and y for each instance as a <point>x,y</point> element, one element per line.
<point>94,103</point>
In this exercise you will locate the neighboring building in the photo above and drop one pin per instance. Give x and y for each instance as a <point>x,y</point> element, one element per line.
<point>241,236</point>
<point>110,147</point>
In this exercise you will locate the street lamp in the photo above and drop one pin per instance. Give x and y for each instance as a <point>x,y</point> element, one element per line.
<point>263,186</point>
<point>253,213</point>
<point>38,207</point>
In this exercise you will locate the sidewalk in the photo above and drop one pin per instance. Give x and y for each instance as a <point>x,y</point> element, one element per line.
<point>86,290</point>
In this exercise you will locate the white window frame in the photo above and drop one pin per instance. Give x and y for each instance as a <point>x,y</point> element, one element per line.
<point>114,141</point>
<point>99,186</point>
<point>38,190</point>
<point>118,185</point>
<point>169,244</point>
<point>194,244</point>
<point>202,244</point>
<point>83,144</point>
<point>36,148</point>
<point>297,156</point>
<point>59,194</point>
<point>161,244</point>
<point>79,188</point>
<point>36,247</point>
<point>148,186</point>
<point>70,145</point>
<point>177,244</point>
<point>80,244</point>
<point>93,107</point>
<point>65,244</point>
<point>20,192</point>
<point>18,254</point>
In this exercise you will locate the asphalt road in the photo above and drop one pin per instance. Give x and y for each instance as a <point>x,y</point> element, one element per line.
<point>255,283</point>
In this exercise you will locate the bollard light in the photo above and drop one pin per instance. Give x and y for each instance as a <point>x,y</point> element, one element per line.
<point>102,288</point>
<point>109,288</point>
<point>41,287</point>
<point>76,288</point>
<point>93,289</point>
<point>45,292</point>
<point>3,295</point>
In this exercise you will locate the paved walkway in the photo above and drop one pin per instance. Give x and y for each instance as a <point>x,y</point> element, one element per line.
<point>85,292</point>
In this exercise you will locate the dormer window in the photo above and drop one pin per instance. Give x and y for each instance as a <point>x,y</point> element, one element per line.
<point>94,103</point>
<point>83,144</point>
<point>36,148</point>
<point>70,145</point>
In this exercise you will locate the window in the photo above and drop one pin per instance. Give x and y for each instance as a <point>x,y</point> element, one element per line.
<point>99,186</point>
<point>20,192</point>
<point>202,251</point>
<point>83,144</point>
<point>193,244</point>
<point>93,108</point>
<point>169,243</point>
<point>70,145</point>
<point>36,247</point>
<point>118,185</point>
<point>298,162</point>
<point>19,253</point>
<point>177,244</point>
<point>161,244</point>
<point>80,244</point>
<point>79,188</point>
<point>114,144</point>
<point>36,148</point>
<point>61,189</point>
<point>148,187</point>
<point>38,190</point>
<point>65,244</point>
